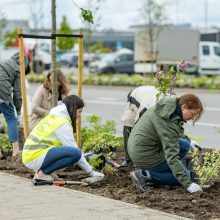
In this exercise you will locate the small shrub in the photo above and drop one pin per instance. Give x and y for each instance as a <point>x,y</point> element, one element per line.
<point>166,78</point>
<point>206,166</point>
<point>5,145</point>
<point>99,138</point>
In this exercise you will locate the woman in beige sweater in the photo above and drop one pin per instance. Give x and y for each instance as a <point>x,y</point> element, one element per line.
<point>42,100</point>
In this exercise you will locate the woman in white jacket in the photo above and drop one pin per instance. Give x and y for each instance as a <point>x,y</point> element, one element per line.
<point>51,144</point>
<point>138,101</point>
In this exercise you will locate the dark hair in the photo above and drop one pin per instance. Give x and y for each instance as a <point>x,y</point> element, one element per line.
<point>73,103</point>
<point>191,102</point>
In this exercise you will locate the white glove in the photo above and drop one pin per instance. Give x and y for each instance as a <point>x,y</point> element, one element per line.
<point>195,144</point>
<point>194,187</point>
<point>96,174</point>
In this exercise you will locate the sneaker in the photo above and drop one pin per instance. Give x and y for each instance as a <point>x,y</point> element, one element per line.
<point>140,180</point>
<point>39,175</point>
<point>126,163</point>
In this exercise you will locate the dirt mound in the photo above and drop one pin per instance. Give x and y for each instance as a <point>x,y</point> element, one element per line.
<point>118,185</point>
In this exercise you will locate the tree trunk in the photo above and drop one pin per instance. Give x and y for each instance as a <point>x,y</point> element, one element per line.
<point>151,48</point>
<point>53,48</point>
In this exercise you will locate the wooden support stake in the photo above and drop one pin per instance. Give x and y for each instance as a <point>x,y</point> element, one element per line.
<point>80,70</point>
<point>23,85</point>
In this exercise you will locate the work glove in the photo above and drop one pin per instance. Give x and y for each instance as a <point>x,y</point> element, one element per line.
<point>194,187</point>
<point>96,174</point>
<point>194,145</point>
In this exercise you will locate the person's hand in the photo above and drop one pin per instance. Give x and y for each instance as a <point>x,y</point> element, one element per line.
<point>96,174</point>
<point>194,187</point>
<point>195,144</point>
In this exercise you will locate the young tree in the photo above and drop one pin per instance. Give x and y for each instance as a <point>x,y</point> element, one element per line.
<point>53,55</point>
<point>154,16</point>
<point>87,16</point>
<point>65,43</point>
<point>94,6</point>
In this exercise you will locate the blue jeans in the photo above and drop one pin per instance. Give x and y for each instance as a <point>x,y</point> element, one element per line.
<point>161,174</point>
<point>60,157</point>
<point>12,122</point>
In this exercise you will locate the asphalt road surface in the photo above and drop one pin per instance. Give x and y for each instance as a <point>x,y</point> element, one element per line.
<point>108,102</point>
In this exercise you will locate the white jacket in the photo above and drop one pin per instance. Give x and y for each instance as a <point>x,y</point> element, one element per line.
<point>63,134</point>
<point>145,97</point>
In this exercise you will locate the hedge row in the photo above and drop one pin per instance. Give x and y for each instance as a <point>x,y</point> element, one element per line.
<point>186,81</point>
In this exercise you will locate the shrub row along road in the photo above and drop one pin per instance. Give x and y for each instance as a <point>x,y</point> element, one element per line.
<point>109,102</point>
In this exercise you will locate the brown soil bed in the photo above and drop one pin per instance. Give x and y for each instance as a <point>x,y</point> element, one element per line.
<point>118,185</point>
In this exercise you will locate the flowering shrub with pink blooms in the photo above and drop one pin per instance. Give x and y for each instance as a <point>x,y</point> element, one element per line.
<point>167,77</point>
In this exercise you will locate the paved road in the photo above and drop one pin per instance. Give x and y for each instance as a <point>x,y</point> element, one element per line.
<point>108,102</point>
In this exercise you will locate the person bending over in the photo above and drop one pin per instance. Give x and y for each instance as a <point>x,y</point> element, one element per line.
<point>138,101</point>
<point>10,95</point>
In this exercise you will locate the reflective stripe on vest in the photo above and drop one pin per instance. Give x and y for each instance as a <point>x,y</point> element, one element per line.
<point>39,141</point>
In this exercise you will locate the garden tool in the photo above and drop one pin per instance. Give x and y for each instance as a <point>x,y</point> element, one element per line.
<point>38,182</point>
<point>112,163</point>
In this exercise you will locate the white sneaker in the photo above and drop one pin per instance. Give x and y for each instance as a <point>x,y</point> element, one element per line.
<point>40,175</point>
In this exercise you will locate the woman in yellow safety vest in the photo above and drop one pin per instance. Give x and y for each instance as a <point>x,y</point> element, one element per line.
<point>51,144</point>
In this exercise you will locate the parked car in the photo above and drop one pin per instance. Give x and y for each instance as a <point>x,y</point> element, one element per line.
<point>69,59</point>
<point>121,61</point>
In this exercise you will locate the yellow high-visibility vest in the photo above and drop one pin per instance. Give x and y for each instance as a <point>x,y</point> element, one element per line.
<point>39,141</point>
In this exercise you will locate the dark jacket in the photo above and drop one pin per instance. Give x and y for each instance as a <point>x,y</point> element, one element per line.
<point>155,138</point>
<point>10,85</point>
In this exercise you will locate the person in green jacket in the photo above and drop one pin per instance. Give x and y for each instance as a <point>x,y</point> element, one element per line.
<point>157,144</point>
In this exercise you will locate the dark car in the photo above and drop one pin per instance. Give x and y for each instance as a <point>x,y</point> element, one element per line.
<point>117,62</point>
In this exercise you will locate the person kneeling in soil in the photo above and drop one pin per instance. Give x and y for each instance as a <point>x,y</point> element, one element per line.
<point>138,101</point>
<point>51,145</point>
<point>157,144</point>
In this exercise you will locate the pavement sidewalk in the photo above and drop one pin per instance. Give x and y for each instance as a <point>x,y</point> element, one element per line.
<point>19,199</point>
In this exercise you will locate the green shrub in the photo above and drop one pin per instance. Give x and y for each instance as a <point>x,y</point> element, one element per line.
<point>185,81</point>
<point>206,166</point>
<point>99,138</point>
<point>5,145</point>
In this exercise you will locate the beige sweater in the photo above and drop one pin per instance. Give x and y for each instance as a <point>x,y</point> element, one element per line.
<point>40,106</point>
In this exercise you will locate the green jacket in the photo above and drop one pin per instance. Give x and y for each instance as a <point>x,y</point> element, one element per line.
<point>10,84</point>
<point>155,138</point>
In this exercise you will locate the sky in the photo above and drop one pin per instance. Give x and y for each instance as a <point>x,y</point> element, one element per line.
<point>116,14</point>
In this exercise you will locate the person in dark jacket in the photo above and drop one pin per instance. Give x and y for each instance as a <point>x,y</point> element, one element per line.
<point>157,144</point>
<point>10,95</point>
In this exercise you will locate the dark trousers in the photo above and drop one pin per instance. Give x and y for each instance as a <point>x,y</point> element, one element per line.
<point>126,134</point>
<point>161,174</point>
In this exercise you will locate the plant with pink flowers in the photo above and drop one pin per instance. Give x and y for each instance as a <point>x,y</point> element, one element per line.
<point>167,77</point>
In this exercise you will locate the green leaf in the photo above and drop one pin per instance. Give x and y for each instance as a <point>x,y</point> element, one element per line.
<point>87,15</point>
